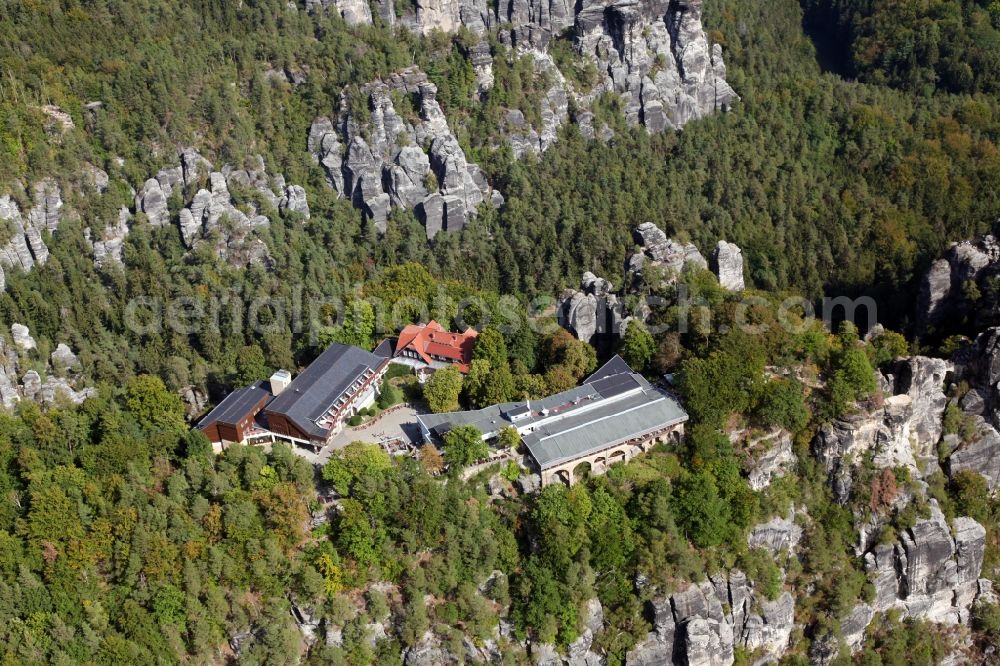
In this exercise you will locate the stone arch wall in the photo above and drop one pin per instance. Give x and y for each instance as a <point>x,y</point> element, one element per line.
<point>600,462</point>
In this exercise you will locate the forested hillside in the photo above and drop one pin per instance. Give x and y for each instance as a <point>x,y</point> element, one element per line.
<point>834,500</point>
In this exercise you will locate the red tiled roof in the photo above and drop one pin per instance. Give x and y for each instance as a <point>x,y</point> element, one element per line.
<point>432,339</point>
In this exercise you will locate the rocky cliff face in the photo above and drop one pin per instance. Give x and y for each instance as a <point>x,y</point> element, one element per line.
<point>18,381</point>
<point>401,158</point>
<point>703,625</point>
<point>213,214</point>
<point>932,571</point>
<point>978,366</point>
<point>655,54</point>
<point>956,288</point>
<point>902,431</point>
<point>22,244</point>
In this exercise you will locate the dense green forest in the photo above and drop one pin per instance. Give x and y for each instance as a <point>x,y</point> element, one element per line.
<point>827,183</point>
<point>124,540</point>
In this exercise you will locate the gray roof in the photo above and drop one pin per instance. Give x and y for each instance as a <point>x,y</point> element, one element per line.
<point>319,386</point>
<point>386,348</point>
<point>237,405</point>
<point>615,366</point>
<point>612,422</point>
<point>607,410</point>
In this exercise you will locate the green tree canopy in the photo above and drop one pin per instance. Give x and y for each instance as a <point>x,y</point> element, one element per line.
<point>441,390</point>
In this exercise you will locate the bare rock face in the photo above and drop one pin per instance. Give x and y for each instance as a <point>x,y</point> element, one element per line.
<point>704,624</point>
<point>22,337</point>
<point>947,288</point>
<point>108,247</point>
<point>776,535</point>
<point>22,244</point>
<point>658,58</point>
<point>152,201</point>
<point>982,455</point>
<point>655,55</point>
<point>401,158</point>
<point>593,310</point>
<point>659,251</point>
<point>525,138</point>
<point>905,428</point>
<point>727,263</point>
<point>294,200</point>
<point>60,380</point>
<point>219,213</point>
<point>978,364</point>
<point>64,359</point>
<point>771,457</point>
<point>929,573</point>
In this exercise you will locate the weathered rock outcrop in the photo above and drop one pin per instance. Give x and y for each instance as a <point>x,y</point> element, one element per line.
<point>954,288</point>
<point>228,205</point>
<point>776,535</point>
<point>704,624</point>
<point>526,139</point>
<point>657,250</point>
<point>655,55</point>
<point>594,310</point>
<point>727,263</point>
<point>931,573</point>
<point>61,381</point>
<point>977,364</point>
<point>22,245</point>
<point>401,158</point>
<point>109,244</point>
<point>770,456</point>
<point>905,428</point>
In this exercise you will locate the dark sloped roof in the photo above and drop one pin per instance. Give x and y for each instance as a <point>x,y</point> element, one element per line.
<point>317,388</point>
<point>386,348</point>
<point>615,366</point>
<point>237,405</point>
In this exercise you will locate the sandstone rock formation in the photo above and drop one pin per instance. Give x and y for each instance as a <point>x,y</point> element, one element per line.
<point>929,573</point>
<point>655,55</point>
<point>22,245</point>
<point>901,431</point>
<point>727,263</point>
<point>977,365</point>
<point>770,457</point>
<point>953,288</point>
<point>704,624</point>
<point>222,211</point>
<point>776,535</point>
<point>401,158</point>
<point>60,381</point>
<point>659,251</point>
<point>109,245</point>
<point>593,310</point>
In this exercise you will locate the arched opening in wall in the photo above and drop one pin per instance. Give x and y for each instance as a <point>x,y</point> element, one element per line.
<point>600,465</point>
<point>617,456</point>
<point>563,476</point>
<point>582,472</point>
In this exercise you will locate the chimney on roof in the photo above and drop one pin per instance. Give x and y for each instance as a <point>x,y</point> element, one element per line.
<point>280,381</point>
